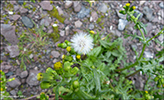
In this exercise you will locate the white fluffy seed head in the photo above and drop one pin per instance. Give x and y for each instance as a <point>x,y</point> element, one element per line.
<point>82,43</point>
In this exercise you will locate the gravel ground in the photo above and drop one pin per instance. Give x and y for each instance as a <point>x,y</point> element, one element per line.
<point>103,16</point>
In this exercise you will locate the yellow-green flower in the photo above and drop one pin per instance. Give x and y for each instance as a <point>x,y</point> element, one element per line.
<point>128,4</point>
<point>134,7</point>
<point>57,65</point>
<point>146,91</point>
<point>68,48</point>
<point>78,56</point>
<point>0,71</point>
<point>92,32</point>
<point>39,76</point>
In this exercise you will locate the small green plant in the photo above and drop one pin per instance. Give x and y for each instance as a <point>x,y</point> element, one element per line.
<point>4,94</point>
<point>29,41</point>
<point>96,68</point>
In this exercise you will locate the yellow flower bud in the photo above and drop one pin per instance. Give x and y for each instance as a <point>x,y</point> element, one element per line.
<point>146,91</point>
<point>39,76</point>
<point>134,7</point>
<point>128,4</point>
<point>2,89</point>
<point>92,32</point>
<point>78,56</point>
<point>63,56</point>
<point>68,48</point>
<point>0,71</point>
<point>57,65</point>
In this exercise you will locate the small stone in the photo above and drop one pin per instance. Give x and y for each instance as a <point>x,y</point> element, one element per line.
<point>20,2</point>
<point>31,56</point>
<point>122,24</point>
<point>55,54</point>
<point>23,74</point>
<point>78,24</point>
<point>149,13</point>
<point>27,22</point>
<point>8,32</point>
<point>68,4</point>
<point>13,50</point>
<point>142,2</point>
<point>16,7</point>
<point>102,8</point>
<point>46,5</point>
<point>13,92</point>
<point>9,74</point>
<point>10,12</point>
<point>66,21</point>
<point>116,33</point>
<point>161,38</point>
<point>91,26</point>
<point>134,46</point>
<point>23,10</point>
<point>67,30</point>
<point>15,17</point>
<point>83,12</point>
<point>76,6</point>
<point>60,11</point>
<point>15,83</point>
<point>55,60</point>
<point>94,16</point>
<point>61,33</point>
<point>148,54</point>
<point>161,5</point>
<point>32,78</point>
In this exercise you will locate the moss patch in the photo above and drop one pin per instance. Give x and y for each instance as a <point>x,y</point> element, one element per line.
<point>54,13</point>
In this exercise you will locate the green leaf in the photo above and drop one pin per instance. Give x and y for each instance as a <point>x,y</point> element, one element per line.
<point>97,82</point>
<point>95,52</point>
<point>105,44</point>
<point>115,53</point>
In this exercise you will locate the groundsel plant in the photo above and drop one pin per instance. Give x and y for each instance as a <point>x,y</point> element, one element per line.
<point>82,43</point>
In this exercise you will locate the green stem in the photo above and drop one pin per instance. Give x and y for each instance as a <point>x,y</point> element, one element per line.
<point>141,32</point>
<point>133,73</point>
<point>155,36</point>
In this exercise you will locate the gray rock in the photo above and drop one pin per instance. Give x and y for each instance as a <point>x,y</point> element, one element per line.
<point>60,11</point>
<point>46,5</point>
<point>116,33</point>
<point>48,51</point>
<point>149,13</point>
<point>91,26</point>
<point>67,30</point>
<point>61,33</point>
<point>13,92</point>
<point>32,78</point>
<point>68,4</point>
<point>103,8</point>
<point>46,21</point>
<point>148,54</point>
<point>5,65</point>
<point>161,5</point>
<point>8,32</point>
<point>161,38</point>
<point>27,22</point>
<point>16,7</point>
<point>31,56</point>
<point>94,16</point>
<point>55,60</point>
<point>20,2</point>
<point>78,24</point>
<point>149,27</point>
<point>13,50</point>
<point>137,12</point>
<point>66,21</point>
<point>23,10</point>
<point>15,83</point>
<point>122,24</point>
<point>9,73</point>
<point>15,17</point>
<point>24,74</point>
<point>120,15</point>
<point>55,54</point>
<point>76,6</point>
<point>83,12</point>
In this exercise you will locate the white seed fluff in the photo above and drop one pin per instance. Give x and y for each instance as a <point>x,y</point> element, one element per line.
<point>82,43</point>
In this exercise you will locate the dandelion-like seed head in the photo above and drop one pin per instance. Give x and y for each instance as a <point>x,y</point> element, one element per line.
<point>82,43</point>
